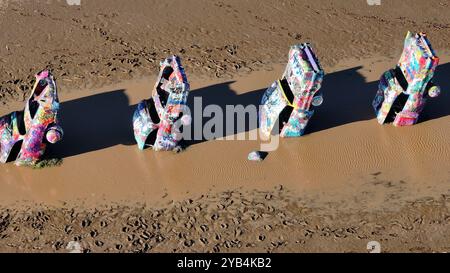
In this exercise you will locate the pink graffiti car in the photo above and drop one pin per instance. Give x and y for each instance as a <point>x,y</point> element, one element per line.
<point>25,134</point>
<point>155,120</point>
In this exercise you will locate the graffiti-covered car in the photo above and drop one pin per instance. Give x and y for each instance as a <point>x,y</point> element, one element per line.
<point>157,121</point>
<point>403,91</point>
<point>287,105</point>
<point>25,134</point>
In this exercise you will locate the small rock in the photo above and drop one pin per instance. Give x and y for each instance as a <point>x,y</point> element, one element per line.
<point>268,227</point>
<point>257,156</point>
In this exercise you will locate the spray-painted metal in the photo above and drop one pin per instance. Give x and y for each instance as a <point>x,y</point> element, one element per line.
<point>157,121</point>
<point>25,134</point>
<point>403,91</point>
<point>287,105</point>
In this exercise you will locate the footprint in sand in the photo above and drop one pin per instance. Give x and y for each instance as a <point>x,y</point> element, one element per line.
<point>85,223</point>
<point>94,233</point>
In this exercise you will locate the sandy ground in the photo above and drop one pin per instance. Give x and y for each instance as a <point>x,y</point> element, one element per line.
<point>105,41</point>
<point>346,182</point>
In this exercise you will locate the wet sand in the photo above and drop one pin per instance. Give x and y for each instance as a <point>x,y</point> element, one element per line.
<point>346,182</point>
<point>343,148</point>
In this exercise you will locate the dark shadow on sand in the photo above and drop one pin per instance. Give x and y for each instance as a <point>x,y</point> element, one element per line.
<point>104,120</point>
<point>348,98</point>
<point>222,95</point>
<point>93,123</point>
<point>440,106</point>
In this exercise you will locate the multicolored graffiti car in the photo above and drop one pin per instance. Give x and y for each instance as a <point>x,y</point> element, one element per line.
<point>287,104</point>
<point>403,91</point>
<point>158,121</point>
<point>25,134</point>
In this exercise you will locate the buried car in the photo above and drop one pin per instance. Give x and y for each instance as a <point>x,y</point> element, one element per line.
<point>25,134</point>
<point>286,106</point>
<point>403,91</point>
<point>158,121</point>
